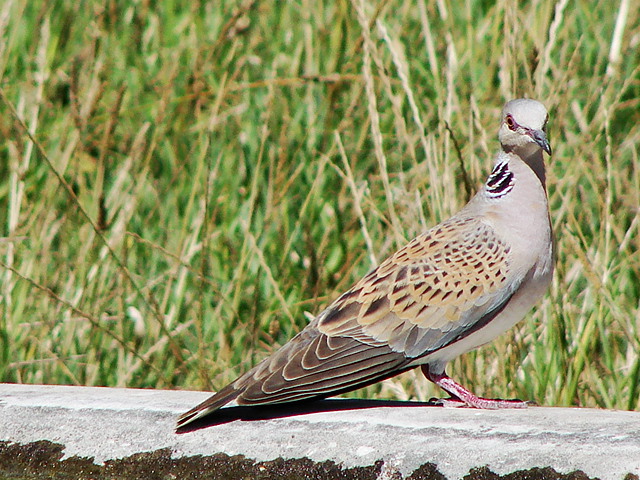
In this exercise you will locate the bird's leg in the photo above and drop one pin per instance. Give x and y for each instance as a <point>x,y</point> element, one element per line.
<point>461,397</point>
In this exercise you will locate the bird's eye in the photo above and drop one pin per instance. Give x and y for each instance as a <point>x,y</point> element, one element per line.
<point>510,122</point>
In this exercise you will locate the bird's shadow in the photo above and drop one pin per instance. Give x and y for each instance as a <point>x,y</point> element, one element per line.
<point>269,412</point>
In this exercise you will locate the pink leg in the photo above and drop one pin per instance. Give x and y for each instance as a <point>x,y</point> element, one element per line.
<point>462,397</point>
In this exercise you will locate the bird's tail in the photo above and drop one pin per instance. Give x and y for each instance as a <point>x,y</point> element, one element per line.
<point>212,404</point>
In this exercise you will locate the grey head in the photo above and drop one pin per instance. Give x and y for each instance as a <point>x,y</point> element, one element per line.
<point>523,127</point>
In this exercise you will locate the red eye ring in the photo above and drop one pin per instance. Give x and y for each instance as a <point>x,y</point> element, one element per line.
<point>510,122</point>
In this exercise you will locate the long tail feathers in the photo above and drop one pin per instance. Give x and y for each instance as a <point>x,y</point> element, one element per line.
<point>310,366</point>
<point>212,404</point>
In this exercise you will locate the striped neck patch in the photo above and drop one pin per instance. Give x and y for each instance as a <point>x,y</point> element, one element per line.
<point>501,181</point>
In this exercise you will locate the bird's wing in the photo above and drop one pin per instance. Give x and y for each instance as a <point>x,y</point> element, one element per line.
<point>442,286</point>
<point>429,294</point>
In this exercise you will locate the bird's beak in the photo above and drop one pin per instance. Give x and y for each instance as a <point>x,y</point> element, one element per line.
<point>540,138</point>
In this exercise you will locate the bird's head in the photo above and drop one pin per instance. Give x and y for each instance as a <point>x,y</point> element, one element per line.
<point>524,123</point>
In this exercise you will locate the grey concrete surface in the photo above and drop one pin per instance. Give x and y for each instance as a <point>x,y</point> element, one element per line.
<point>108,423</point>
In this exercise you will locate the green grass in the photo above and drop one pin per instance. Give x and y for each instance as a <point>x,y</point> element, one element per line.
<point>204,176</point>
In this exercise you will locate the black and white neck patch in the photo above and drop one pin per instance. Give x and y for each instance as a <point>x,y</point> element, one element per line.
<point>501,180</point>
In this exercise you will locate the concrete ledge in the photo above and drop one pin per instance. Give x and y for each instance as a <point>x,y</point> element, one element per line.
<point>363,439</point>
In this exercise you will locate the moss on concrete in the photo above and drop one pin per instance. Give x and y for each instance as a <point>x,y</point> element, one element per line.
<point>43,460</point>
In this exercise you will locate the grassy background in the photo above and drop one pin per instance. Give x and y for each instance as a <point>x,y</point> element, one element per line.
<point>205,175</point>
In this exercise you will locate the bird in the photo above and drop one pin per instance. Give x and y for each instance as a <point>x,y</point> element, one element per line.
<point>452,289</point>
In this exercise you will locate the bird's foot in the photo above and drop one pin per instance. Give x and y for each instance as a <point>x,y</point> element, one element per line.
<point>461,397</point>
<point>478,402</point>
